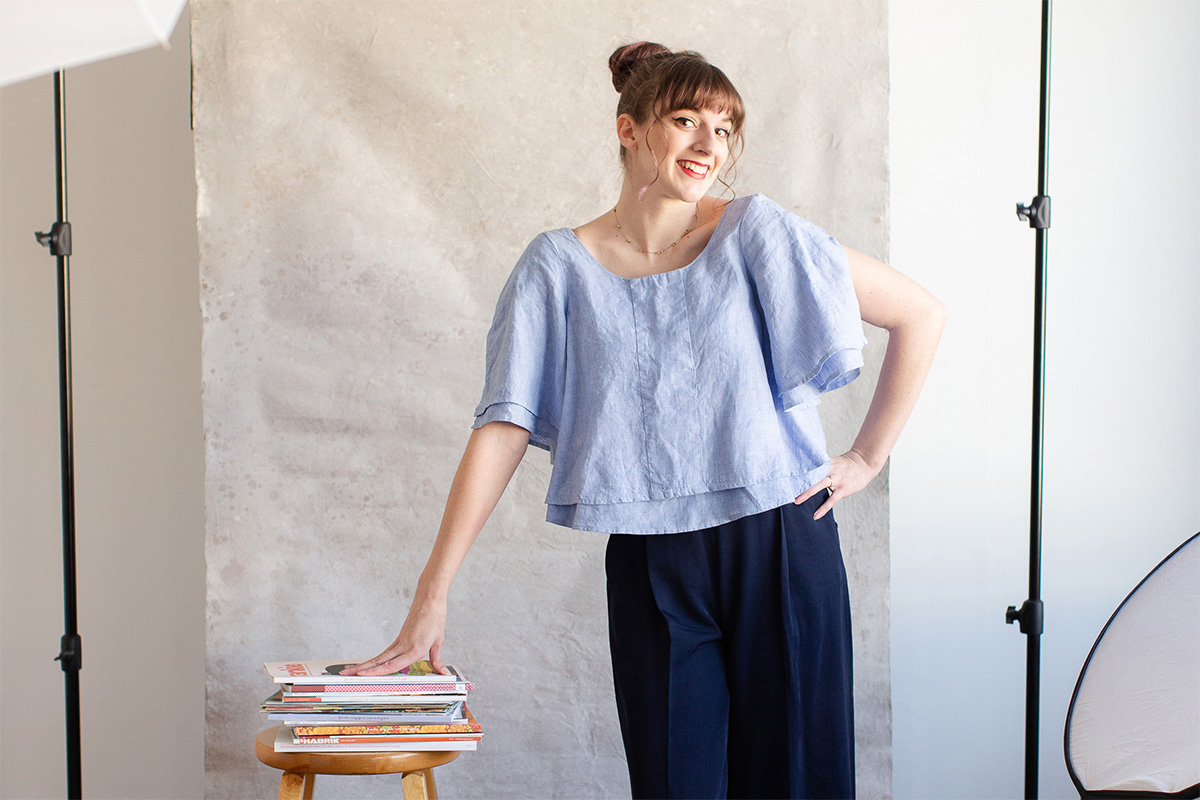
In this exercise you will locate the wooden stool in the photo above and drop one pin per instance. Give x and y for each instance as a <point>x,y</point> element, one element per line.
<point>300,769</point>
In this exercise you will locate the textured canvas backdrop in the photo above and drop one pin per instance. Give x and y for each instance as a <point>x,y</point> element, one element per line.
<point>367,175</point>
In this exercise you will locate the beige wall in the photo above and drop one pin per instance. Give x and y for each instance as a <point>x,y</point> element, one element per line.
<point>138,440</point>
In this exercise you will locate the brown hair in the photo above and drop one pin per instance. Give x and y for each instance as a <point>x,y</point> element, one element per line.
<point>653,80</point>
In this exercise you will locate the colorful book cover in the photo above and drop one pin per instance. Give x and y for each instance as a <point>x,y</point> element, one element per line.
<point>468,725</point>
<point>278,700</point>
<point>447,714</point>
<point>402,739</point>
<point>394,704</point>
<point>328,672</point>
<point>442,687</point>
<point>406,698</point>
<point>285,743</point>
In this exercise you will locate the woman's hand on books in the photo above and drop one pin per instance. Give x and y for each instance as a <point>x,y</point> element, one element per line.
<point>492,455</point>
<point>422,633</point>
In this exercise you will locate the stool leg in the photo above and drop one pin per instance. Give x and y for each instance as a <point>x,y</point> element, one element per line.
<point>419,785</point>
<point>292,786</point>
<point>309,779</point>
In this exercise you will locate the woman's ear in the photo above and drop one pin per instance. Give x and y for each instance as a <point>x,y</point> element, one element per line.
<point>627,132</point>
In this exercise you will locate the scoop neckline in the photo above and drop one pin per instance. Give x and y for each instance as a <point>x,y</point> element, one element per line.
<point>699,256</point>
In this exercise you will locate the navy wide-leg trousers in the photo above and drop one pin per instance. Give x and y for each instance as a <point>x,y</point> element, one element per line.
<point>732,658</point>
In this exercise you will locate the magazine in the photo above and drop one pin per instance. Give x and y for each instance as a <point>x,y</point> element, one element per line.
<point>330,672</point>
<point>404,716</point>
<point>350,691</point>
<point>396,703</point>
<point>285,742</point>
<point>467,725</point>
<point>445,713</point>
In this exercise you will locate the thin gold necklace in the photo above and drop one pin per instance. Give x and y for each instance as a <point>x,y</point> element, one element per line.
<point>695,216</point>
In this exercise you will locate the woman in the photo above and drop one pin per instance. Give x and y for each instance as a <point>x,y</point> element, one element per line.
<point>670,354</point>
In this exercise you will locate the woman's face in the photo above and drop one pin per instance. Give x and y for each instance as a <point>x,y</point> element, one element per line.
<point>684,149</point>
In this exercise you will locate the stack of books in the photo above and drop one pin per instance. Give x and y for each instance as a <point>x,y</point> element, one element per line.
<point>321,710</point>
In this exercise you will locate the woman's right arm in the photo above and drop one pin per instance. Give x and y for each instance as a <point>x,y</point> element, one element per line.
<point>491,457</point>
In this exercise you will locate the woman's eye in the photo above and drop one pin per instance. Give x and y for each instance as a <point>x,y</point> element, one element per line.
<point>684,121</point>
<point>723,133</point>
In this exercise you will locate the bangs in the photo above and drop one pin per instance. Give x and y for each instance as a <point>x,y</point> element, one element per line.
<point>698,85</point>
<point>657,83</point>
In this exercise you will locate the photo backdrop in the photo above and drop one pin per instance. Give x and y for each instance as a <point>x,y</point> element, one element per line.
<point>367,174</point>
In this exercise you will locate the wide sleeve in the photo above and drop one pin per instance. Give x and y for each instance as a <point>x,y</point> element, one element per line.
<point>809,309</point>
<point>526,348</point>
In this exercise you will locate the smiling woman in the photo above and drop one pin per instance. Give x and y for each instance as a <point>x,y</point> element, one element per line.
<point>678,120</point>
<point>670,355</point>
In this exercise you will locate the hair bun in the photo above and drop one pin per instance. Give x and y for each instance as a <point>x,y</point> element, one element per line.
<point>625,58</point>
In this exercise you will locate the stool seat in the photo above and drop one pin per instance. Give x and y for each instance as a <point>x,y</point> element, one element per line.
<point>297,781</point>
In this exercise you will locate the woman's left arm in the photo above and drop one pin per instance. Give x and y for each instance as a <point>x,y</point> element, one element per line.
<point>913,319</point>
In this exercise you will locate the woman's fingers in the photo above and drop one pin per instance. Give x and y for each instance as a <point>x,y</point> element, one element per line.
<point>370,662</point>
<point>810,491</point>
<point>359,668</point>
<point>435,659</point>
<point>826,507</point>
<point>387,662</point>
<point>420,636</point>
<point>848,474</point>
<point>394,650</point>
<point>394,664</point>
<point>823,485</point>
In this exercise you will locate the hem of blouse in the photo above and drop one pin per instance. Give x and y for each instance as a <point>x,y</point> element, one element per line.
<point>719,483</point>
<point>811,476</point>
<point>507,411</point>
<point>837,369</point>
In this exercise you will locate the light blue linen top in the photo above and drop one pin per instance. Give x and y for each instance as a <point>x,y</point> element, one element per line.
<point>683,400</point>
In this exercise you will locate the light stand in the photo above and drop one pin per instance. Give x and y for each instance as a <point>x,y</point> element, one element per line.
<point>59,242</point>
<point>1030,614</point>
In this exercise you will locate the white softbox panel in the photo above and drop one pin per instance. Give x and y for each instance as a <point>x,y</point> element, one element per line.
<point>1133,726</point>
<point>41,36</point>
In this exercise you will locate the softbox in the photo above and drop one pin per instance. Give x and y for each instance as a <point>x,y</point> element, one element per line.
<point>1133,726</point>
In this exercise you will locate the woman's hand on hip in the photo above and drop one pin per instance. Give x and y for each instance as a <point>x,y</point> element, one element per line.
<point>848,474</point>
<point>421,635</point>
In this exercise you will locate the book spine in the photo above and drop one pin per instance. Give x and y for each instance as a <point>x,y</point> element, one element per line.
<point>380,739</point>
<point>365,699</point>
<point>436,746</point>
<point>398,702</point>
<point>384,730</point>
<point>295,720</point>
<point>314,690</point>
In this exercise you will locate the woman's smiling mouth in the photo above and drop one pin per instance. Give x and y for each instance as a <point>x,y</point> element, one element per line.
<point>694,169</point>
